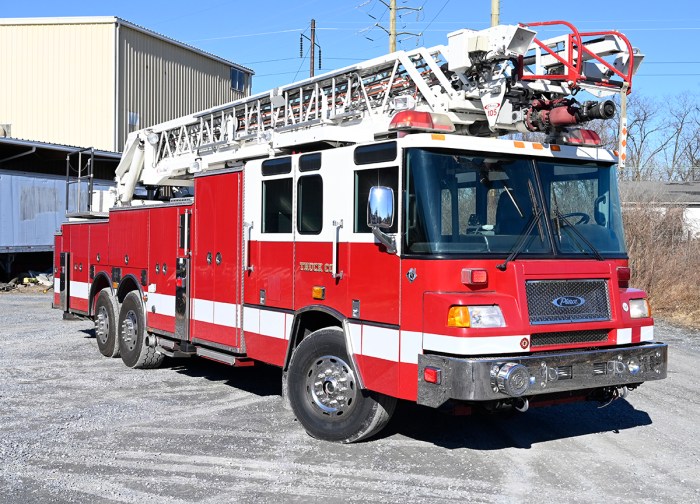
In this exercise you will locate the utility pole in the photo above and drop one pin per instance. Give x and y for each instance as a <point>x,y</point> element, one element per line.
<point>495,12</point>
<point>314,45</point>
<point>392,26</point>
<point>393,9</point>
<point>313,48</point>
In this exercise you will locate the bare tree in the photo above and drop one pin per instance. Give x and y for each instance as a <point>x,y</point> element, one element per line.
<point>683,113</point>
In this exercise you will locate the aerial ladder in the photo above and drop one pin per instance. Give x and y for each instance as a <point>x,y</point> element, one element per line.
<point>485,83</point>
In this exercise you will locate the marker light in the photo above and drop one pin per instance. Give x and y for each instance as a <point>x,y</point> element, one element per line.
<point>432,375</point>
<point>623,277</point>
<point>475,277</point>
<point>422,121</point>
<point>475,316</point>
<point>639,308</point>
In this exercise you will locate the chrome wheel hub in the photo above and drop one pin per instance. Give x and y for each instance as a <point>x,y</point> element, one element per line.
<point>331,385</point>
<point>129,327</point>
<point>102,325</point>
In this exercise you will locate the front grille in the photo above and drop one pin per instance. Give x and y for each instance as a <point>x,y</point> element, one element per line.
<point>566,301</point>
<point>567,338</point>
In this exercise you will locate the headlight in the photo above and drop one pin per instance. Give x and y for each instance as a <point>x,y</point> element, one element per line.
<point>475,316</point>
<point>639,308</point>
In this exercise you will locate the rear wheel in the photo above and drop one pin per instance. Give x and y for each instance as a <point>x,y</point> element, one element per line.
<point>106,311</point>
<point>324,395</point>
<point>133,345</point>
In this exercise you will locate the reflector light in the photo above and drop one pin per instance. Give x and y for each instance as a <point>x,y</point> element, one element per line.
<point>475,277</point>
<point>623,277</point>
<point>318,292</point>
<point>423,121</point>
<point>432,375</point>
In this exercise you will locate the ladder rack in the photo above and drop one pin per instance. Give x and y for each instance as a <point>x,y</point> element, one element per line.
<point>487,82</point>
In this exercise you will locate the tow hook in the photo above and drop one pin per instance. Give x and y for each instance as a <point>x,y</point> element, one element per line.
<point>521,404</point>
<point>612,395</point>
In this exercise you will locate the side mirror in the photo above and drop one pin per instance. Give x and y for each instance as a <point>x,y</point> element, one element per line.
<point>380,207</point>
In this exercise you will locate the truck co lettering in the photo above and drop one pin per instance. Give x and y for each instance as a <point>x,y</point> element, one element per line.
<point>319,267</point>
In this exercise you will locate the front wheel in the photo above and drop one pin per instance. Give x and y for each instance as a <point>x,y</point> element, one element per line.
<point>324,395</point>
<point>133,346</point>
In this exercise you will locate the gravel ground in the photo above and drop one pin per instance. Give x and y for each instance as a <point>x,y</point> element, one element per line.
<point>78,427</point>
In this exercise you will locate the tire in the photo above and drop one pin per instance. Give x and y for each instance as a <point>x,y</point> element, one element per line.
<point>106,312</point>
<point>133,347</point>
<point>324,395</point>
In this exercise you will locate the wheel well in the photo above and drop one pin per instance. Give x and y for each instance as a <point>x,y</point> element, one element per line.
<point>128,284</point>
<point>101,281</point>
<point>306,323</point>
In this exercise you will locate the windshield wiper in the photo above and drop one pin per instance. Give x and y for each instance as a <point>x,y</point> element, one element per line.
<point>562,218</point>
<point>534,219</point>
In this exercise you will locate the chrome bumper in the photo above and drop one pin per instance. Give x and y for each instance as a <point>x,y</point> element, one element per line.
<point>474,379</point>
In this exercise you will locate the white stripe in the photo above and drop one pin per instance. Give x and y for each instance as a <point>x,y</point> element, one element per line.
<point>474,345</point>
<point>79,289</point>
<point>226,314</point>
<point>647,333</point>
<point>203,310</point>
<point>380,342</point>
<point>251,320</point>
<point>288,323</point>
<point>411,346</point>
<point>355,338</point>
<point>624,336</point>
<point>165,304</point>
<point>272,324</point>
<point>56,284</point>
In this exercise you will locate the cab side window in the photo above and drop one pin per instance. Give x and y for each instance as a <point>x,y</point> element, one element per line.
<point>364,180</point>
<point>277,196</point>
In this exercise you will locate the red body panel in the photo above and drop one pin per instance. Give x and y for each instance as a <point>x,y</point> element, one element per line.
<point>401,305</point>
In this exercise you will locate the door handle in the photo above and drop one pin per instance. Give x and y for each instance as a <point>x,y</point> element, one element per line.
<point>247,229</point>
<point>336,239</point>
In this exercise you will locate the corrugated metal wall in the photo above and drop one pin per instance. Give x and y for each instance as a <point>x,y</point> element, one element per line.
<point>33,208</point>
<point>161,81</point>
<point>57,83</point>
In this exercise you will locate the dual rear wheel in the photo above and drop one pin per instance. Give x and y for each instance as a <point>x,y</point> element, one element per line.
<point>121,330</point>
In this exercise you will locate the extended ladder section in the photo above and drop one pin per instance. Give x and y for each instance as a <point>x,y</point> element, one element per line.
<point>482,83</point>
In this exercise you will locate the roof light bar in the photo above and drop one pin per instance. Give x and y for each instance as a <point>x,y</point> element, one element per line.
<point>421,121</point>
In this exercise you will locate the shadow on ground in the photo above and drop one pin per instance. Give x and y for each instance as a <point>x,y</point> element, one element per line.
<point>478,431</point>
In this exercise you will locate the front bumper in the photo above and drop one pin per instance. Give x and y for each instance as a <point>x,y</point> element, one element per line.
<point>473,379</point>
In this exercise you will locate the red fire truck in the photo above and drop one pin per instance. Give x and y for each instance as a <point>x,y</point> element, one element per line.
<point>376,233</point>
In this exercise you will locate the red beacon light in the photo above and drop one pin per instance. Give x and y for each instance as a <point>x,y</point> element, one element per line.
<point>578,136</point>
<point>413,120</point>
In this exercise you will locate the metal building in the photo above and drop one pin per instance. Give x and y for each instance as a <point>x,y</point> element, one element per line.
<point>90,80</point>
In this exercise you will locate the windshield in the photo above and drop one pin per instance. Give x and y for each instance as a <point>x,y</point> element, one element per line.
<point>584,207</point>
<point>461,203</point>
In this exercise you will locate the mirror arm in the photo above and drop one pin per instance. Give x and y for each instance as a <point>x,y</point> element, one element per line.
<point>388,241</point>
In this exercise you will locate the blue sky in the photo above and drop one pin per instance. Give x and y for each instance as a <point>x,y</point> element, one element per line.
<point>264,34</point>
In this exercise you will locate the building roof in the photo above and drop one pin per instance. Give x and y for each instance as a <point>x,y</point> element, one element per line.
<point>119,22</point>
<point>661,193</point>
<point>34,157</point>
